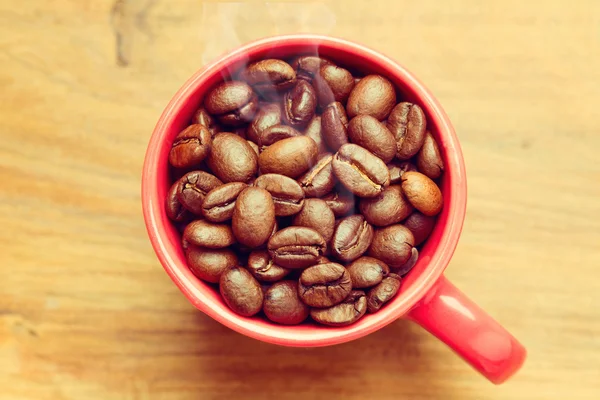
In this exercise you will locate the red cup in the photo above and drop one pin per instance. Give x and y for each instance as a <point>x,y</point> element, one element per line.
<point>426,296</point>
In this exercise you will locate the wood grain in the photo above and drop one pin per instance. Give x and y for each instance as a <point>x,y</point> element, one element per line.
<point>86,311</point>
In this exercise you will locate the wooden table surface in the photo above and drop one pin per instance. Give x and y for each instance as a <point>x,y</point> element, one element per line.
<point>87,312</point>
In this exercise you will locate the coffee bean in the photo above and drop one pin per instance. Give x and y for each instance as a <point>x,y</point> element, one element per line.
<point>317,215</point>
<point>392,245</point>
<point>219,203</point>
<point>287,194</point>
<point>422,193</point>
<point>296,247</point>
<point>240,291</point>
<point>193,186</point>
<point>270,75</point>
<point>190,147</point>
<point>209,264</point>
<point>390,207</point>
<point>374,95</point>
<point>351,238</point>
<point>234,103</point>
<point>267,116</point>
<point>253,217</point>
<point>256,150</point>
<point>324,285</point>
<point>320,179</point>
<point>429,158</point>
<point>407,123</point>
<point>276,133</point>
<point>347,312</point>
<point>341,202</point>
<point>382,293</point>
<point>407,266</point>
<point>202,117</point>
<point>334,124</point>
<point>313,131</point>
<point>207,234</point>
<point>175,211</point>
<point>366,131</point>
<point>332,83</point>
<point>299,104</point>
<point>232,159</point>
<point>264,269</point>
<point>366,272</point>
<point>283,305</point>
<point>290,157</point>
<point>360,171</point>
<point>307,66</point>
<point>397,168</point>
<point>420,225</point>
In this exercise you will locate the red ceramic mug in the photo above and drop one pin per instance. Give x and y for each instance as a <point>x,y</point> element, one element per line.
<point>426,296</point>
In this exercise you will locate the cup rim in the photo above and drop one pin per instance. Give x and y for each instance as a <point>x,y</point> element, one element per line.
<point>152,205</point>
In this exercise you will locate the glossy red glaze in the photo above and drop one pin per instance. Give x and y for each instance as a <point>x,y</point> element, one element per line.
<point>428,307</point>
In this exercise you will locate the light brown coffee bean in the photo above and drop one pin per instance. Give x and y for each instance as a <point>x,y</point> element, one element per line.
<point>240,291</point>
<point>276,133</point>
<point>392,245</point>
<point>256,150</point>
<point>253,217</point>
<point>366,131</point>
<point>269,75</point>
<point>287,194</point>
<point>334,124</point>
<point>190,147</point>
<point>313,131</point>
<point>374,95</point>
<point>422,193</point>
<point>429,158</point>
<point>232,159</point>
<point>366,272</point>
<point>316,214</point>
<point>407,123</point>
<point>397,168</point>
<point>290,157</point>
<point>382,293</point>
<point>320,179</point>
<point>332,83</point>
<point>390,207</point>
<point>207,234</point>
<point>420,225</point>
<point>324,285</point>
<point>209,264</point>
<point>219,203</point>
<point>351,238</point>
<point>233,103</point>
<point>299,104</point>
<point>262,267</point>
<point>360,171</point>
<point>341,202</point>
<point>296,247</point>
<point>193,186</point>
<point>282,304</point>
<point>347,312</point>
<point>268,116</point>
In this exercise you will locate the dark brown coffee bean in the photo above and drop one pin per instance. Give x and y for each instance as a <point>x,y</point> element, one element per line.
<point>270,75</point>
<point>207,234</point>
<point>347,312</point>
<point>340,202</point>
<point>360,171</point>
<point>202,117</point>
<point>307,66</point>
<point>332,83</point>
<point>299,104</point>
<point>286,193</point>
<point>374,95</point>
<point>313,131</point>
<point>267,116</point>
<point>234,103</point>
<point>253,217</point>
<point>334,124</point>
<point>316,214</point>
<point>190,147</point>
<point>366,272</point>
<point>324,285</point>
<point>392,245</point>
<point>382,293</point>
<point>422,193</point>
<point>407,266</point>
<point>296,247</point>
<point>282,304</point>
<point>351,238</point>
<point>232,159</point>
<point>420,225</point>
<point>407,123</point>
<point>276,133</point>
<point>255,148</point>
<point>390,207</point>
<point>193,186</point>
<point>429,158</point>
<point>209,264</point>
<point>397,168</point>
<point>264,269</point>
<point>320,179</point>
<point>366,131</point>
<point>240,291</point>
<point>290,157</point>
<point>175,211</point>
<point>219,203</point>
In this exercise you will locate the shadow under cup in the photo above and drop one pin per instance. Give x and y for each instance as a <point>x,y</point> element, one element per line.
<point>166,240</point>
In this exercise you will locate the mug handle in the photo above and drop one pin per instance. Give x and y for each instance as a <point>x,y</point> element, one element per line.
<point>474,335</point>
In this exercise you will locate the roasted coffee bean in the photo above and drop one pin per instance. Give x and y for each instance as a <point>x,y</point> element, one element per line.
<point>193,186</point>
<point>234,103</point>
<point>324,285</point>
<point>267,116</point>
<point>232,159</point>
<point>276,133</point>
<point>347,312</point>
<point>390,207</point>
<point>219,203</point>
<point>382,293</point>
<point>334,124</point>
<point>313,131</point>
<point>332,83</point>
<point>429,158</point>
<point>420,225</point>
<point>340,202</point>
<point>374,95</point>
<point>287,194</point>
<point>407,266</point>
<point>207,234</point>
<point>307,66</point>
<point>253,217</point>
<point>290,157</point>
<point>269,76</point>
<point>282,304</point>
<point>407,123</point>
<point>299,104</point>
<point>316,214</point>
<point>255,148</point>
<point>392,245</point>
<point>397,168</point>
<point>320,179</point>
<point>264,269</point>
<point>422,193</point>
<point>366,272</point>
<point>366,131</point>
<point>202,117</point>
<point>351,238</point>
<point>360,171</point>
<point>175,210</point>
<point>209,264</point>
<point>296,247</point>
<point>240,291</point>
<point>190,147</point>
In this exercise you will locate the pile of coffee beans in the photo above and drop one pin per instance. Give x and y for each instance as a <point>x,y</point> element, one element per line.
<point>303,189</point>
